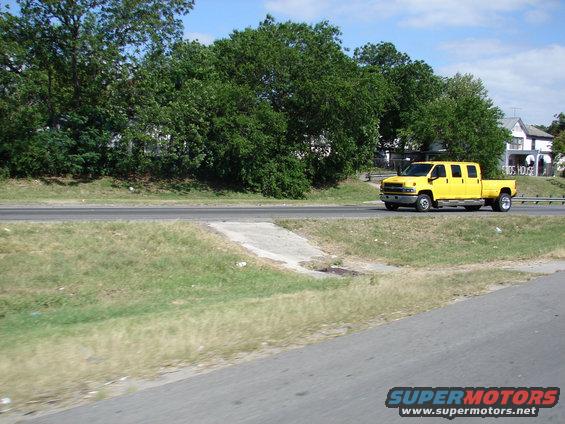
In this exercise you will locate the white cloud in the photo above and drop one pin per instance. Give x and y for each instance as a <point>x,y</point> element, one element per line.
<point>473,48</point>
<point>433,13</point>
<point>532,80</point>
<point>537,16</point>
<point>299,9</point>
<point>201,37</point>
<point>416,13</point>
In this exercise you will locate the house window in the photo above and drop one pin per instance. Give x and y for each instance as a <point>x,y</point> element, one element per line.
<point>533,144</point>
<point>516,143</point>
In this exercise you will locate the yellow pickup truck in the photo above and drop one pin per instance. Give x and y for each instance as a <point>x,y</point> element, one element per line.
<point>424,185</point>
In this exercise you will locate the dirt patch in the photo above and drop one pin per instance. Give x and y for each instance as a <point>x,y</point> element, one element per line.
<point>342,272</point>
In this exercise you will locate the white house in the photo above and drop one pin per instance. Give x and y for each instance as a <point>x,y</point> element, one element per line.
<point>528,152</point>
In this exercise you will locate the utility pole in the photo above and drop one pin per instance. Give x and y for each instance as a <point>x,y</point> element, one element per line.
<point>514,109</point>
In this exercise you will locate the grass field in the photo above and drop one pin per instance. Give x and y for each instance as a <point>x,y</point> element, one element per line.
<point>109,190</point>
<point>68,284</point>
<point>84,303</point>
<point>542,186</point>
<point>430,241</point>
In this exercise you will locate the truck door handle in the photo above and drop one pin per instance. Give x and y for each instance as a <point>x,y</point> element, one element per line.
<point>462,180</point>
<point>447,180</point>
<point>477,181</point>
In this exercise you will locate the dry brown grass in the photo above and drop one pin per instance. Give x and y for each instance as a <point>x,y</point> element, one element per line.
<point>137,297</point>
<point>437,241</point>
<point>81,359</point>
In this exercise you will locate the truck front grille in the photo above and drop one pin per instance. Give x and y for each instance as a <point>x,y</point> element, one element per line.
<point>392,186</point>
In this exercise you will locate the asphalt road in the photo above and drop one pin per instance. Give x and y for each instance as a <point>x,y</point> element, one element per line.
<point>72,213</point>
<point>512,337</point>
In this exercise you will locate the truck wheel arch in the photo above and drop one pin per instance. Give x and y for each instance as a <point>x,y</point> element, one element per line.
<point>428,192</point>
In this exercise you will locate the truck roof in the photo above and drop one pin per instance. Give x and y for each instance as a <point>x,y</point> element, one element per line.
<point>444,162</point>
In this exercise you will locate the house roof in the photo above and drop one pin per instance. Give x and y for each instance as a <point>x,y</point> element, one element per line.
<point>508,123</point>
<point>530,130</point>
<point>536,132</point>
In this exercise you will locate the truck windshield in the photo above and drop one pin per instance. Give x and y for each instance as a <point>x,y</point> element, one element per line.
<point>417,170</point>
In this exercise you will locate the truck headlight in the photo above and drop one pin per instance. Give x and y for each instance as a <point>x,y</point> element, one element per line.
<point>410,190</point>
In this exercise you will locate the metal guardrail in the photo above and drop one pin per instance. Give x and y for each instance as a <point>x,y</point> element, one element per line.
<point>371,177</point>
<point>537,199</point>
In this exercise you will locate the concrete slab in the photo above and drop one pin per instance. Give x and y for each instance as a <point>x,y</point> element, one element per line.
<point>548,267</point>
<point>270,241</point>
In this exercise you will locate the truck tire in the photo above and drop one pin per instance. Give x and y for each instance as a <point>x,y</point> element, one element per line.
<point>391,206</point>
<point>503,203</point>
<point>473,207</point>
<point>423,203</point>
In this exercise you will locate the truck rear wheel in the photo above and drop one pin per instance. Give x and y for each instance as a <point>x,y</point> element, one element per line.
<point>423,203</point>
<point>503,203</point>
<point>391,206</point>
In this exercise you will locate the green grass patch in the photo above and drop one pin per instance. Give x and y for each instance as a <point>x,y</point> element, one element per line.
<point>86,303</point>
<point>109,190</point>
<point>424,241</point>
<point>61,283</point>
<point>542,186</point>
<point>58,275</point>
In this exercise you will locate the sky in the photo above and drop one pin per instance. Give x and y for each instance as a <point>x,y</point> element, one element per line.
<point>517,47</point>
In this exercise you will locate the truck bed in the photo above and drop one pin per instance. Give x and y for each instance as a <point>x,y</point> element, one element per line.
<point>491,188</point>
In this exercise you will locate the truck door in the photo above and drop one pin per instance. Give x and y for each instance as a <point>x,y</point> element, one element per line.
<point>440,183</point>
<point>472,182</point>
<point>456,183</point>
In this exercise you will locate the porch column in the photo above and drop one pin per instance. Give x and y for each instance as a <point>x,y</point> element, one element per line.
<point>536,156</point>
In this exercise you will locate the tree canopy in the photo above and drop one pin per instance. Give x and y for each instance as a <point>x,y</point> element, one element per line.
<point>465,121</point>
<point>410,84</point>
<point>66,68</point>
<point>108,87</point>
<point>557,129</point>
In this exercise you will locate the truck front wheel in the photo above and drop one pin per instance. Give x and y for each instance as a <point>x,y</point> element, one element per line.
<point>503,203</point>
<point>423,203</point>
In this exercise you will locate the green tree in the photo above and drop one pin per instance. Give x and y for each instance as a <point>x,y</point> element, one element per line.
<point>465,121</point>
<point>173,94</point>
<point>557,125</point>
<point>558,146</point>
<point>410,84</point>
<point>557,129</point>
<point>69,60</point>
<point>327,107</point>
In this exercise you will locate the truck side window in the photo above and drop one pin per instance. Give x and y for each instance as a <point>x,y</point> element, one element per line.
<point>439,172</point>
<point>472,171</point>
<point>455,171</point>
